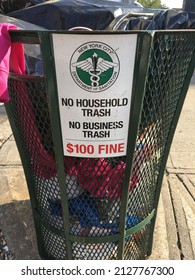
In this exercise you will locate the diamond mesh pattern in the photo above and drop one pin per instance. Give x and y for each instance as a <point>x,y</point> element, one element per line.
<point>168,66</point>
<point>54,245</point>
<point>95,203</point>
<point>31,117</point>
<point>135,247</point>
<point>102,251</point>
<point>94,186</point>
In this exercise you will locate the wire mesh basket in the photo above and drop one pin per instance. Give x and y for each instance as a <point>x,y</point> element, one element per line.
<point>97,206</point>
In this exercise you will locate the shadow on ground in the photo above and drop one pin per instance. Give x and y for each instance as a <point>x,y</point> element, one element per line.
<point>17,225</point>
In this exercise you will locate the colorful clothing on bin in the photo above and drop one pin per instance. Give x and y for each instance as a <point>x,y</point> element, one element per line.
<point>11,59</point>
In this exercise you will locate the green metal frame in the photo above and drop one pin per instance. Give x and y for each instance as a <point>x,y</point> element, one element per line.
<point>144,43</point>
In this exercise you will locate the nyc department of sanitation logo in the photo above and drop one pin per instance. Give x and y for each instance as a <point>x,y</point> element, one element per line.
<point>94,66</point>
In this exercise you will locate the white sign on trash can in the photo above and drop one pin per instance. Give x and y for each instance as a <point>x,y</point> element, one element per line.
<point>94,81</point>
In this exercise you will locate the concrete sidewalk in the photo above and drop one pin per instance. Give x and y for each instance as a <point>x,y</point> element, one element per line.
<point>174,237</point>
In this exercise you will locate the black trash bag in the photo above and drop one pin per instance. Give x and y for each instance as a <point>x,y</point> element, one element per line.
<point>66,14</point>
<point>167,19</point>
<point>8,6</point>
<point>164,20</point>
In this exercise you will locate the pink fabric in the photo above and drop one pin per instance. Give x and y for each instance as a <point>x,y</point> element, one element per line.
<point>11,59</point>
<point>43,163</point>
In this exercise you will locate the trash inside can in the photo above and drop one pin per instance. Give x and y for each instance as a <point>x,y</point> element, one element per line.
<point>94,134</point>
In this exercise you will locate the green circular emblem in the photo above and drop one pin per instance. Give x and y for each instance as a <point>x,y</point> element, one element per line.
<point>94,66</point>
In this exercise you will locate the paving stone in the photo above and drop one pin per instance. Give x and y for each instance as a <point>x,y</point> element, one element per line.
<point>188,203</point>
<point>160,243</point>
<point>16,214</point>
<point>16,180</point>
<point>183,159</point>
<point>187,181</point>
<point>5,132</point>
<point>184,240</point>
<point>9,154</point>
<point>192,179</point>
<point>170,226</point>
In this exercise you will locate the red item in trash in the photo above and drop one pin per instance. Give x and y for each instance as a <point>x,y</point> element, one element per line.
<point>101,180</point>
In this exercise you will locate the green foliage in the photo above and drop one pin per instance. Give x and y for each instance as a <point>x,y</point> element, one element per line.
<point>151,3</point>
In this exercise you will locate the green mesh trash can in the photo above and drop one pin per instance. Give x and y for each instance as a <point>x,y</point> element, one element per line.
<point>94,133</point>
